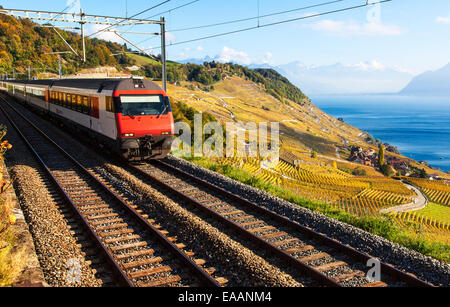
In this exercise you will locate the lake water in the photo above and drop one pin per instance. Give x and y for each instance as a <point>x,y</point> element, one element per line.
<point>418,126</point>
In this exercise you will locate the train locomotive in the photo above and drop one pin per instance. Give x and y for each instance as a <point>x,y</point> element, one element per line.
<point>131,117</point>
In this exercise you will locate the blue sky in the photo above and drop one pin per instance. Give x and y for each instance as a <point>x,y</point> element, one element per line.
<point>406,35</point>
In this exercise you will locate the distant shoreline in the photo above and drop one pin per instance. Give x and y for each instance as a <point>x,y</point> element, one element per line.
<point>381,94</point>
<point>421,131</point>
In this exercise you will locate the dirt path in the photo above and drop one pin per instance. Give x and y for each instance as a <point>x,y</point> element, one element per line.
<point>418,204</point>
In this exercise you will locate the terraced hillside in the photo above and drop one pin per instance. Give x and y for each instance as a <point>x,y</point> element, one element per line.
<point>302,127</point>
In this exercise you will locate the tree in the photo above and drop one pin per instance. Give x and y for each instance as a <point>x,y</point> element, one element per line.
<point>423,173</point>
<point>335,166</point>
<point>388,170</point>
<point>381,160</point>
<point>314,155</point>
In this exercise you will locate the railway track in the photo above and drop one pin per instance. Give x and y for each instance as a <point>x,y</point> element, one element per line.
<point>327,261</point>
<point>138,252</point>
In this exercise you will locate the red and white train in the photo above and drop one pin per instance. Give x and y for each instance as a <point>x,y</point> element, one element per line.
<point>132,117</point>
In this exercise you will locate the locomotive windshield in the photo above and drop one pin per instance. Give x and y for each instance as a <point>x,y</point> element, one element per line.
<point>138,105</point>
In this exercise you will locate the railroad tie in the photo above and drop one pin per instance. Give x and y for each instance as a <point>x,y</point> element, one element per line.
<point>126,231</point>
<point>122,239</point>
<point>330,266</point>
<point>97,223</point>
<point>161,282</point>
<point>314,257</point>
<point>377,284</point>
<point>253,223</point>
<point>274,235</point>
<point>261,229</point>
<point>128,246</point>
<point>285,242</point>
<point>141,253</point>
<point>111,227</point>
<point>150,272</point>
<point>138,263</point>
<point>344,277</point>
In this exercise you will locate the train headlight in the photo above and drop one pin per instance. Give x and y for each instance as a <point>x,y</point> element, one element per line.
<point>166,133</point>
<point>128,135</point>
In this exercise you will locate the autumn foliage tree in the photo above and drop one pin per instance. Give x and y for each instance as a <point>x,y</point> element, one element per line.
<point>6,218</point>
<point>381,160</point>
<point>24,43</point>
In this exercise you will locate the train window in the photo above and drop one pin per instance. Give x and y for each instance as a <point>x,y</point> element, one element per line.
<point>68,101</point>
<point>79,104</point>
<point>144,105</point>
<point>109,104</point>
<point>85,101</point>
<point>74,101</point>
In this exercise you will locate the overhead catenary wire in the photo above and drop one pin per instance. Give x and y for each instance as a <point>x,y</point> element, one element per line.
<point>174,9</point>
<point>63,11</point>
<point>235,21</point>
<point>257,17</point>
<point>169,11</point>
<point>276,23</point>
<point>117,24</point>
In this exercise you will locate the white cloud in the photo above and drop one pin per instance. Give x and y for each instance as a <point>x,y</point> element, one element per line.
<point>105,35</point>
<point>231,55</point>
<point>170,37</point>
<point>369,65</point>
<point>200,48</point>
<point>74,6</point>
<point>376,66</point>
<point>444,20</point>
<point>351,28</point>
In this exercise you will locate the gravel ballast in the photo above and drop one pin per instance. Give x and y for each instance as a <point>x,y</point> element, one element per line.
<point>229,258</point>
<point>424,267</point>
<point>58,250</point>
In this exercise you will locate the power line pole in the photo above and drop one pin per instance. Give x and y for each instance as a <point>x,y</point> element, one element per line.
<point>80,18</point>
<point>29,72</point>
<point>163,53</point>
<point>83,19</point>
<point>59,62</point>
<point>82,35</point>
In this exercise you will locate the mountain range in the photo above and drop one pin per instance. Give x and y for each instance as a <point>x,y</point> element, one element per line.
<point>362,78</point>
<point>365,77</point>
<point>435,83</point>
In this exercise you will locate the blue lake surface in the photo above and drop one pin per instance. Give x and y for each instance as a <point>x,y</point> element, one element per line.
<point>418,126</point>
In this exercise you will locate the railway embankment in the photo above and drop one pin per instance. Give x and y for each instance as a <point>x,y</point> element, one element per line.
<point>23,253</point>
<point>426,268</point>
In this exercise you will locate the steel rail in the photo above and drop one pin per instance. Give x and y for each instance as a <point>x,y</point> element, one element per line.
<point>123,277</point>
<point>197,270</point>
<point>349,251</point>
<point>322,278</point>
